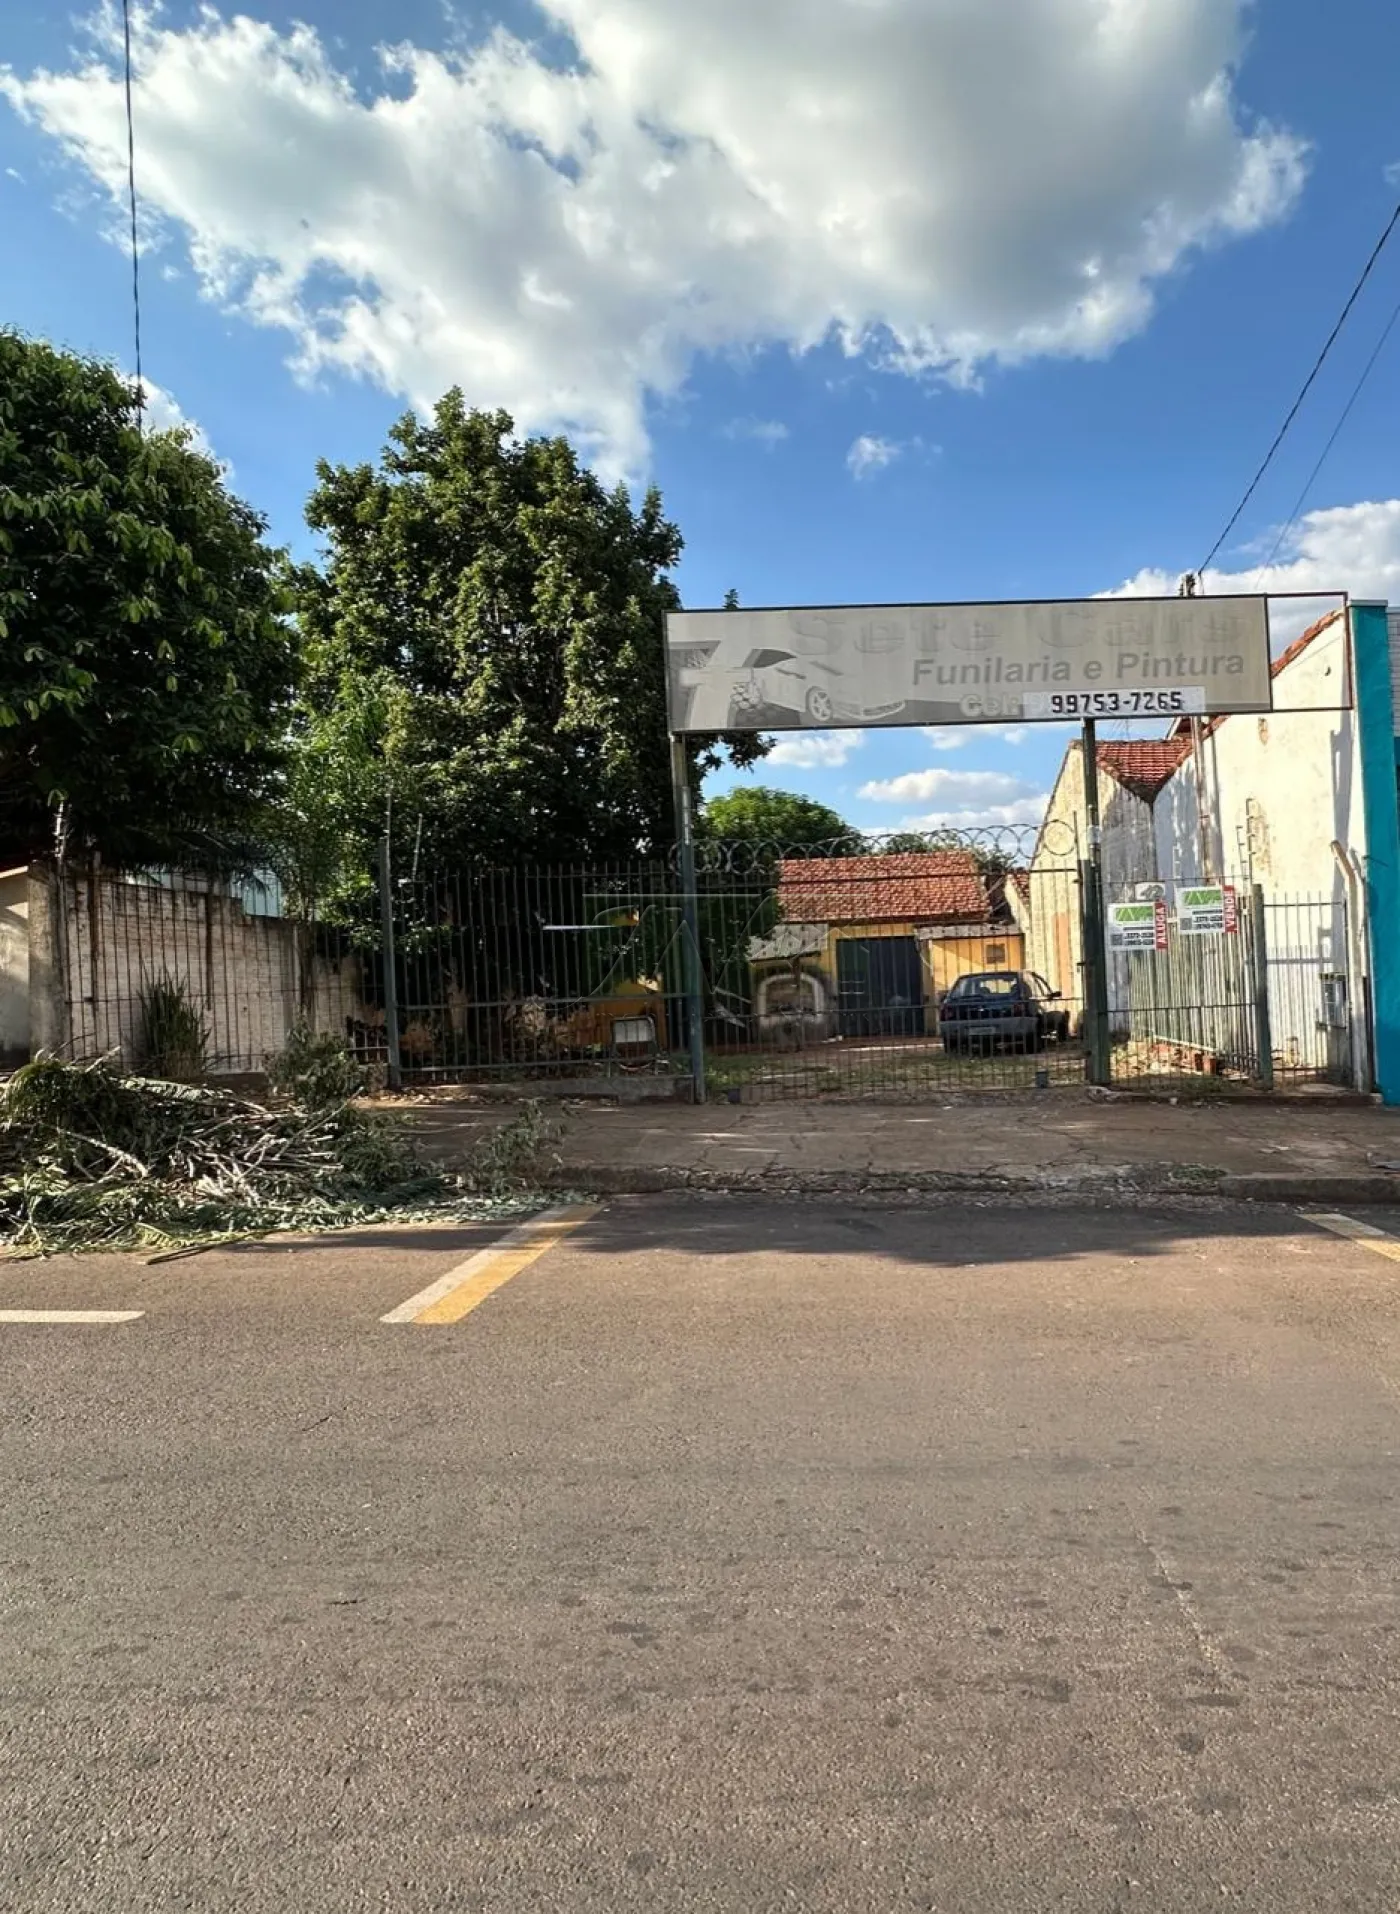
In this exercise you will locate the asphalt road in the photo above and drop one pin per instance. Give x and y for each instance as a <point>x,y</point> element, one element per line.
<point>733,1556</point>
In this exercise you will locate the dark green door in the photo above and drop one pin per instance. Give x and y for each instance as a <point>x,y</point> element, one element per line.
<point>879,987</point>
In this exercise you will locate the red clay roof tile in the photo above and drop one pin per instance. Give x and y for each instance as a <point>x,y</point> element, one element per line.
<point>1143,765</point>
<point>906,886</point>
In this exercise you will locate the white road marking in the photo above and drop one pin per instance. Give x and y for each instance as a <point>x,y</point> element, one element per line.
<point>508,1253</point>
<point>70,1315</point>
<point>1366,1234</point>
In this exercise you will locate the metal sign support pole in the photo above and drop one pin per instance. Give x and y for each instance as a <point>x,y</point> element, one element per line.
<point>1259,957</point>
<point>391,976</point>
<point>690,916</point>
<point>1095,953</point>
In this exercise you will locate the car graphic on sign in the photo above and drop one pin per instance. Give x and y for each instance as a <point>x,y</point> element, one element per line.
<point>814,687</point>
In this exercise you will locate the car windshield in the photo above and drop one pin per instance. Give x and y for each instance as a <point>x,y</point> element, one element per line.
<point>993,984</point>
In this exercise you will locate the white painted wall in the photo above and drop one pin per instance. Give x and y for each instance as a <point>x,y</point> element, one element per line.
<point>1283,786</point>
<point>1277,792</point>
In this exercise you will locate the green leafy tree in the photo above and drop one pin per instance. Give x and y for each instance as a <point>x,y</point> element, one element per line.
<point>487,624</point>
<point>991,848</point>
<point>146,669</point>
<point>782,820</point>
<point>750,830</point>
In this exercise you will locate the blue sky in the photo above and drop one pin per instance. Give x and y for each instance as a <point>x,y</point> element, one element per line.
<point>896,299</point>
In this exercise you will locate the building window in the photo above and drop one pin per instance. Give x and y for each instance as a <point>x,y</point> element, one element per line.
<point>996,953</point>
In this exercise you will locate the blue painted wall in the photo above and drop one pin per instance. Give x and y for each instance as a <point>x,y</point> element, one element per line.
<point>1375,718</point>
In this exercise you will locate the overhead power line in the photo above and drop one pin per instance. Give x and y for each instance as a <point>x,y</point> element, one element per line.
<point>131,190</point>
<point>1323,455</point>
<point>1296,406</point>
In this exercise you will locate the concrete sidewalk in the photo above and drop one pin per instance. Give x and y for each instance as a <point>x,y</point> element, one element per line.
<point>1320,1150</point>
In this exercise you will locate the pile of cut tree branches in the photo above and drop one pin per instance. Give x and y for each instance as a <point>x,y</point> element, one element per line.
<point>93,1159</point>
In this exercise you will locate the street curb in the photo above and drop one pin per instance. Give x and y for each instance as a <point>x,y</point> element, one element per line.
<point>1270,1186</point>
<point>1130,1180</point>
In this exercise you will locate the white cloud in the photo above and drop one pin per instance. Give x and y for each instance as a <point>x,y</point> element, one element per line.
<point>766,432</point>
<point>814,750</point>
<point>935,186</point>
<point>163,414</point>
<point>952,737</point>
<point>1352,548</point>
<point>1026,811</point>
<point>870,454</point>
<point>952,787</point>
<point>1338,548</point>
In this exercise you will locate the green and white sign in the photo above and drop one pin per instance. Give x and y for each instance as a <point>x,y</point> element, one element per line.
<point>1137,927</point>
<point>1207,910</point>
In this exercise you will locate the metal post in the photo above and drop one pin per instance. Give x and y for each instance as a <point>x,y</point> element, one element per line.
<point>391,978</point>
<point>1259,954</point>
<point>690,917</point>
<point>1095,956</point>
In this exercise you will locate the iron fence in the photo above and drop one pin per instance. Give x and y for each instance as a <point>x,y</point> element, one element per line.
<point>811,971</point>
<point>1266,1002</point>
<point>833,975</point>
<point>544,972</point>
<point>1316,1016</point>
<point>1188,1009</point>
<point>815,971</point>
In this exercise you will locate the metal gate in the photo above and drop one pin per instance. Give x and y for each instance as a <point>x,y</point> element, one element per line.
<point>1267,1003</point>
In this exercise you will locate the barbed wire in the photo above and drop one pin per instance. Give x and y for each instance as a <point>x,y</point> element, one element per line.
<point>993,846</point>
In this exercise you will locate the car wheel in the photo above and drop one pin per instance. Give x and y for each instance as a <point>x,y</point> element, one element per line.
<point>820,709</point>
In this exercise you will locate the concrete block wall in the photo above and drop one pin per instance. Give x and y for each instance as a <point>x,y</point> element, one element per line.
<point>243,973</point>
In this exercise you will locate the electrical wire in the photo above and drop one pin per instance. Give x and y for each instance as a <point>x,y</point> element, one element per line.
<point>131,190</point>
<point>1356,391</point>
<point>1308,383</point>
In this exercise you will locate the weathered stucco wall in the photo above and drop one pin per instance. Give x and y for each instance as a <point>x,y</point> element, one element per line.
<point>92,962</point>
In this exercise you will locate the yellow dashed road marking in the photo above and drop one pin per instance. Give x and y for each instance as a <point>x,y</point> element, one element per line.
<point>1379,1241</point>
<point>462,1289</point>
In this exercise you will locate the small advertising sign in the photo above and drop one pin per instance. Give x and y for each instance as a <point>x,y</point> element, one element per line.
<point>1137,926</point>
<point>1207,910</point>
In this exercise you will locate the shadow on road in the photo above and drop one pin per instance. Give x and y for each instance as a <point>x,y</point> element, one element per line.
<point>951,1234</point>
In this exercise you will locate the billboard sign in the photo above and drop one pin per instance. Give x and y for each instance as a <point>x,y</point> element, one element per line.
<point>823,667</point>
